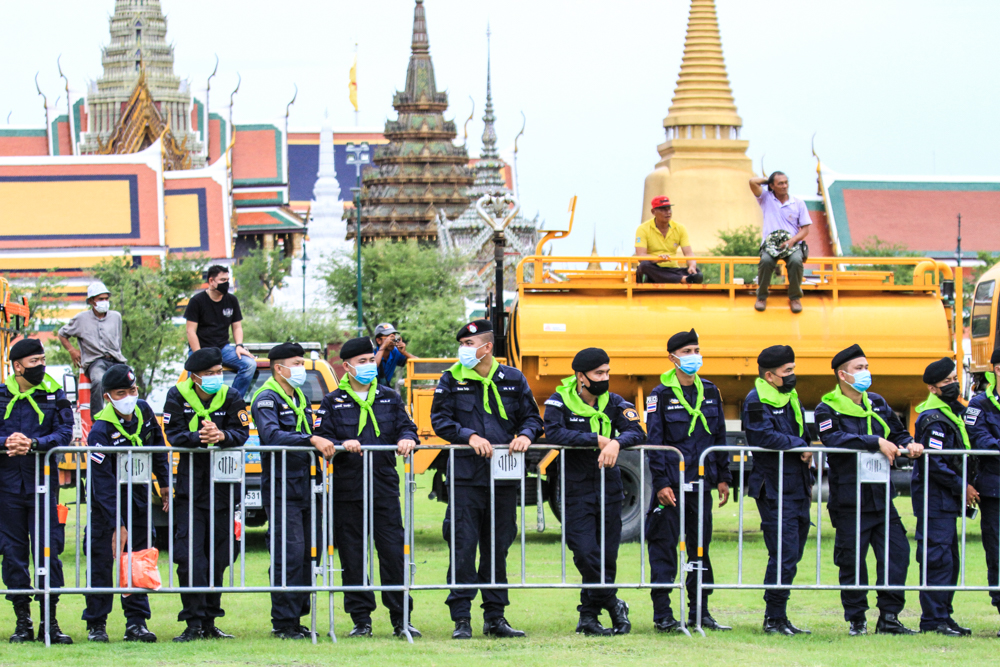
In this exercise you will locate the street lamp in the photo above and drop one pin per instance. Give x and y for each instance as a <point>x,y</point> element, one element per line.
<point>358,156</point>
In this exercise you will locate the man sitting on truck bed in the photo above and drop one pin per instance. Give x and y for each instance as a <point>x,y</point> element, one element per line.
<point>786,226</point>
<point>662,237</point>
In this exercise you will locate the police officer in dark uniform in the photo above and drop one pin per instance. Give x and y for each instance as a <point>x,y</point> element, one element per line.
<point>685,412</point>
<point>480,403</point>
<point>940,426</point>
<point>203,412</point>
<point>284,418</point>
<point>35,416</point>
<point>361,411</point>
<point>982,421</point>
<point>593,424</point>
<point>851,417</point>
<point>125,421</point>
<point>773,419</point>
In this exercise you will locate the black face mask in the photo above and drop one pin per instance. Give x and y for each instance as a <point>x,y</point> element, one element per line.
<point>597,387</point>
<point>223,288</point>
<point>949,392</point>
<point>788,384</point>
<point>34,375</point>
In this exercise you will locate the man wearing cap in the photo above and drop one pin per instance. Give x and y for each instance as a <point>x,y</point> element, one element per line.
<point>362,412</point>
<point>284,418</point>
<point>773,419</point>
<point>786,226</point>
<point>35,416</point>
<point>662,237</point>
<point>202,412</point>
<point>593,424</point>
<point>480,403</point>
<point>851,417</point>
<point>116,529</point>
<point>98,330</point>
<point>940,426</point>
<point>685,412</point>
<point>982,421</point>
<point>390,352</point>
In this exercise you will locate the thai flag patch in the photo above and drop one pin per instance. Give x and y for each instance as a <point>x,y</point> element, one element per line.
<point>826,425</point>
<point>166,417</point>
<point>97,457</point>
<point>935,443</point>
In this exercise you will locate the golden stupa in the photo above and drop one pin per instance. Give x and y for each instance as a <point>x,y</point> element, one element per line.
<point>703,168</point>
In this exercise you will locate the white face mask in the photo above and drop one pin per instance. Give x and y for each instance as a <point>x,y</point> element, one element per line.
<point>102,306</point>
<point>125,406</point>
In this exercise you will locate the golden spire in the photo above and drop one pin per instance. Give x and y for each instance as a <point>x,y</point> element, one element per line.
<point>703,96</point>
<point>594,266</point>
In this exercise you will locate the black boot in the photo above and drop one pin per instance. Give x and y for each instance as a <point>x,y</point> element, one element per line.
<point>399,631</point>
<point>889,624</point>
<point>669,624</point>
<point>24,631</point>
<point>193,632</point>
<point>211,632</point>
<point>777,626</point>
<point>591,627</point>
<point>619,617</point>
<point>858,628</point>
<point>463,629</point>
<point>499,627</point>
<point>138,632</point>
<point>97,631</point>
<point>361,629</point>
<point>56,636</point>
<point>965,632</point>
<point>709,623</point>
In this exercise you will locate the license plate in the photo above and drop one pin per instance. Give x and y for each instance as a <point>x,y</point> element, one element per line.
<point>252,500</point>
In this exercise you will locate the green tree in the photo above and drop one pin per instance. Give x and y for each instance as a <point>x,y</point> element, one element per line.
<point>738,242</point>
<point>258,274</point>
<point>873,246</point>
<point>148,299</point>
<point>44,294</point>
<point>405,283</point>
<point>278,325</point>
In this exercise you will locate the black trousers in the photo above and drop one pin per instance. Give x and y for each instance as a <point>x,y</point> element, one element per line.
<point>472,531</point>
<point>943,568</point>
<point>794,531</point>
<point>18,543</point>
<point>873,536</point>
<point>101,561</point>
<point>583,536</point>
<point>663,527</point>
<point>348,531</point>
<point>295,539</point>
<point>649,272</point>
<point>198,608</point>
<point>989,513</point>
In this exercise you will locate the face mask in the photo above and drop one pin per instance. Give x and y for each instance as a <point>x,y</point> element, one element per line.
<point>211,384</point>
<point>297,376</point>
<point>365,373</point>
<point>35,374</point>
<point>949,392</point>
<point>862,380</point>
<point>690,364</point>
<point>597,387</point>
<point>788,384</point>
<point>223,287</point>
<point>125,406</point>
<point>102,306</point>
<point>467,355</point>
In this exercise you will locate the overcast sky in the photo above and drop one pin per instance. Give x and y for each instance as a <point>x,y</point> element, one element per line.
<point>894,87</point>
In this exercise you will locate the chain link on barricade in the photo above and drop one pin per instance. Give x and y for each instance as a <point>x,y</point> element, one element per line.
<point>873,468</point>
<point>133,479</point>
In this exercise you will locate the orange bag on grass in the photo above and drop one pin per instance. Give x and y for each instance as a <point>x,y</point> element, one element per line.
<point>145,574</point>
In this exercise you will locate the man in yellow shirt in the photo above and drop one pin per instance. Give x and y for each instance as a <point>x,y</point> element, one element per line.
<point>662,237</point>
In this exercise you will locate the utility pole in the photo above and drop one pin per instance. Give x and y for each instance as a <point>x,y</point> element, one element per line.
<point>358,156</point>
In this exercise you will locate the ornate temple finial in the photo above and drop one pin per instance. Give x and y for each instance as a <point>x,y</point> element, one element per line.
<point>420,42</point>
<point>489,130</point>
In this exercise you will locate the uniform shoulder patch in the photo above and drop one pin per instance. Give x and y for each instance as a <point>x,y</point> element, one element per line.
<point>935,443</point>
<point>244,417</point>
<point>554,402</point>
<point>631,414</point>
<point>825,425</point>
<point>97,457</point>
<point>651,404</point>
<point>972,415</point>
<point>166,417</point>
<point>265,404</point>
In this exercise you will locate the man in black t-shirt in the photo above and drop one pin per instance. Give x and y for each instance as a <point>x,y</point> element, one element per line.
<point>209,316</point>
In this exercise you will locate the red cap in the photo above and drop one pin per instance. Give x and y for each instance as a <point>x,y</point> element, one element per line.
<point>660,202</point>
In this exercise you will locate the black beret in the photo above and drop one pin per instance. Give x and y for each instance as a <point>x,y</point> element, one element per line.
<point>682,339</point>
<point>286,351</point>
<point>118,376</point>
<point>995,359</point>
<point>203,359</point>
<point>26,347</point>
<point>842,357</point>
<point>938,370</point>
<point>474,329</point>
<point>775,356</point>
<point>356,347</point>
<point>589,359</point>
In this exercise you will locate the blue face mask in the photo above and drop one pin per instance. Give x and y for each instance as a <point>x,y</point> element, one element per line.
<point>211,384</point>
<point>691,364</point>
<point>365,373</point>
<point>296,375</point>
<point>862,380</point>
<point>467,355</point>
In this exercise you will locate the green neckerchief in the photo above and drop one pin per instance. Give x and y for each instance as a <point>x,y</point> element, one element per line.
<point>460,373</point>
<point>109,415</point>
<point>599,422</point>
<point>934,402</point>
<point>299,410</point>
<point>845,406</point>
<point>991,389</point>
<point>47,384</point>
<point>669,379</point>
<point>191,396</point>
<point>365,405</point>
<point>770,395</point>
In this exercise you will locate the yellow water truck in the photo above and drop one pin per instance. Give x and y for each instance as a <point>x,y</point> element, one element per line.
<point>564,304</point>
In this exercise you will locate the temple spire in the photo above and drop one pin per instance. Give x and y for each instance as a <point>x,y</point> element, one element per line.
<point>489,130</point>
<point>420,42</point>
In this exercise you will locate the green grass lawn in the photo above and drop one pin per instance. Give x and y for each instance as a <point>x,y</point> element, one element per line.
<point>548,616</point>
